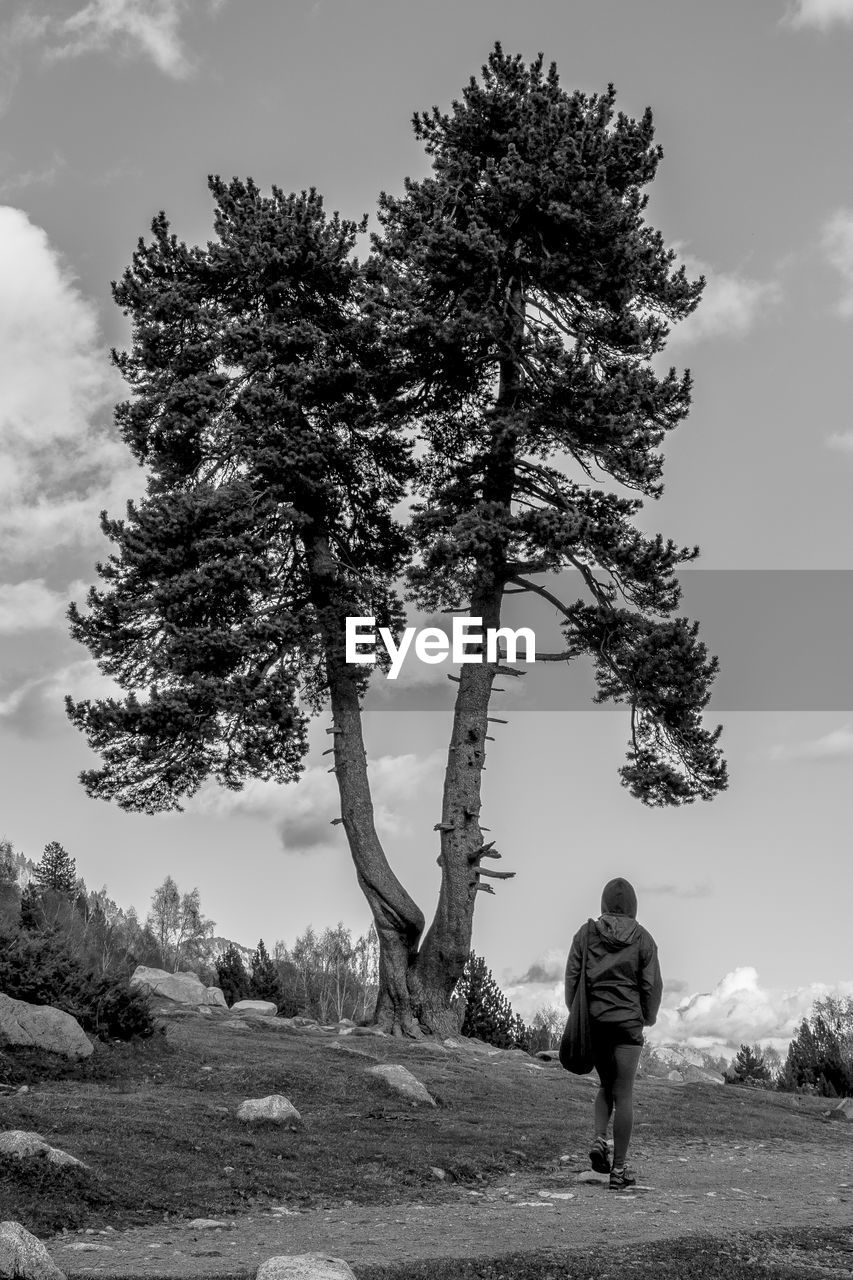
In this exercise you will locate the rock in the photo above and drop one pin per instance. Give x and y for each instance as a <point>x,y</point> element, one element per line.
<point>40,1026</point>
<point>206,1224</point>
<point>181,988</point>
<point>24,1256</point>
<point>844,1110</point>
<point>275,1109</point>
<point>235,1026</point>
<point>305,1266</point>
<point>401,1080</point>
<point>700,1075</point>
<point>589,1175</point>
<point>548,1055</point>
<point>20,1144</point>
<point>676,1077</point>
<point>441,1174</point>
<point>300,1021</point>
<point>368,1031</point>
<point>254,1006</point>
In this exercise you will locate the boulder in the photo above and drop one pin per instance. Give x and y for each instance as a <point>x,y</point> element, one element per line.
<point>255,1006</point>
<point>40,1026</point>
<point>181,988</point>
<point>18,1144</point>
<point>23,1255</point>
<point>844,1110</point>
<point>675,1076</point>
<point>275,1109</point>
<point>401,1080</point>
<point>305,1266</point>
<point>699,1075</point>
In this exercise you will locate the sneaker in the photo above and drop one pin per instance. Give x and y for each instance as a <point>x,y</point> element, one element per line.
<point>622,1179</point>
<point>599,1156</point>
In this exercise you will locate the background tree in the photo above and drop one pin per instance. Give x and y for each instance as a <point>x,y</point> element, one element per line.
<point>56,869</point>
<point>231,975</point>
<point>488,1014</point>
<point>10,894</point>
<point>820,1056</point>
<point>510,312</point>
<point>749,1067</point>
<point>176,922</point>
<point>264,983</point>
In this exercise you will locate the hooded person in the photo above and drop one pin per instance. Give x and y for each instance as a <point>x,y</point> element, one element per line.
<point>624,990</point>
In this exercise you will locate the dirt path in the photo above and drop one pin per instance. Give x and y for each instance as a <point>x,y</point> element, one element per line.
<point>696,1190</point>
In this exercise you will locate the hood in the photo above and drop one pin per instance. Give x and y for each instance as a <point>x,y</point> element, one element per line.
<point>617,931</point>
<point>619,899</point>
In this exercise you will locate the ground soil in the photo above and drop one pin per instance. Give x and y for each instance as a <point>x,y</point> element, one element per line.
<point>359,1180</point>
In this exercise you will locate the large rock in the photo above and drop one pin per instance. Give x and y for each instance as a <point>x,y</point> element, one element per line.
<point>22,1255</point>
<point>40,1026</point>
<point>254,1006</point>
<point>401,1080</point>
<point>275,1109</point>
<point>19,1144</point>
<point>844,1110</point>
<point>181,988</point>
<point>305,1266</point>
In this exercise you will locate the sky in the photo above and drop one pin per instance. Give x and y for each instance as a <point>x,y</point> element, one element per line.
<point>115,109</point>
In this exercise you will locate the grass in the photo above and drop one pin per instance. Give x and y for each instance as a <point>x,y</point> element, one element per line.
<point>156,1123</point>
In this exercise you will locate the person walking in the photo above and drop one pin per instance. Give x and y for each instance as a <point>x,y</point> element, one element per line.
<point>624,989</point>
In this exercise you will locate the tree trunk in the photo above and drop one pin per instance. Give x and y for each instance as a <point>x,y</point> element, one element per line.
<point>416,986</point>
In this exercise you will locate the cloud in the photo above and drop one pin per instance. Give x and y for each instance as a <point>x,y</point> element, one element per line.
<point>303,811</point>
<point>837,245</point>
<point>739,1010</point>
<point>731,305</point>
<point>549,967</point>
<point>699,889</point>
<point>836,745</point>
<point>59,465</point>
<point>31,605</point>
<point>819,13</point>
<point>147,28</point>
<point>33,707</point>
<point>842,441</point>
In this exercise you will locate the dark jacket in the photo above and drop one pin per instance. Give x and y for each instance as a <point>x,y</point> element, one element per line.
<point>623,974</point>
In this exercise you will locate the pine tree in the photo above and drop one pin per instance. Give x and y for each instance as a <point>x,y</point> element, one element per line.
<point>264,984</point>
<point>509,315</point>
<point>488,1014</point>
<point>749,1066</point>
<point>56,870</point>
<point>231,974</point>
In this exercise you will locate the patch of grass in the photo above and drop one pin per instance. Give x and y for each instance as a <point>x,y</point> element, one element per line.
<point>790,1255</point>
<point>155,1121</point>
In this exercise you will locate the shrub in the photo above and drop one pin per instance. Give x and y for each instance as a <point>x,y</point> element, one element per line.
<point>42,970</point>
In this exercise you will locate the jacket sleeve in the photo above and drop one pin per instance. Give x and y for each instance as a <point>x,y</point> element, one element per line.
<point>573,967</point>
<point>651,982</point>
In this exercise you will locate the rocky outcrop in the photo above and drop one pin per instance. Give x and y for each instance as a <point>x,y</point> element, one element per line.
<point>40,1026</point>
<point>401,1080</point>
<point>275,1109</point>
<point>305,1266</point>
<point>181,988</point>
<point>254,1006</point>
<point>23,1256</point>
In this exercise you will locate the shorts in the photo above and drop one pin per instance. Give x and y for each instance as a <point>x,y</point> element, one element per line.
<point>606,1035</point>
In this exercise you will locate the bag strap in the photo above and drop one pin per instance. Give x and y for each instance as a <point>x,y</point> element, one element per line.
<point>584,949</point>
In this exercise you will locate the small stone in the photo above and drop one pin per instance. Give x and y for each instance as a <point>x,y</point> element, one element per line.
<point>441,1174</point>
<point>305,1266</point>
<point>401,1080</point>
<point>275,1109</point>
<point>206,1224</point>
<point>228,1168</point>
<point>589,1175</point>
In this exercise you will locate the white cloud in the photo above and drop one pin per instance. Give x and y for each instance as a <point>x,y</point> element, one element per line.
<point>838,744</point>
<point>150,28</point>
<point>58,464</point>
<point>31,605</point>
<point>739,1010</point>
<point>303,811</point>
<point>670,889</point>
<point>819,13</point>
<point>837,245</point>
<point>731,304</point>
<point>34,706</point>
<point>841,441</point>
